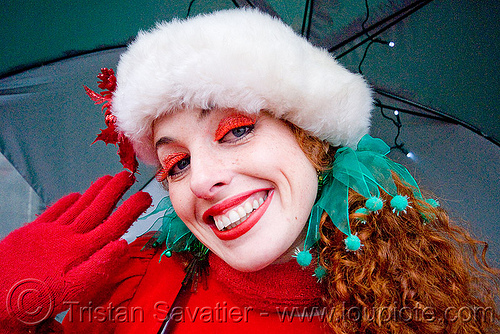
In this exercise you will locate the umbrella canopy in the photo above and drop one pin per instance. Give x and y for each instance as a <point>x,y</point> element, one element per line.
<point>441,75</point>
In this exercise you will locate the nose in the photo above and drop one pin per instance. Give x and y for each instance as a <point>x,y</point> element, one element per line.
<point>209,174</point>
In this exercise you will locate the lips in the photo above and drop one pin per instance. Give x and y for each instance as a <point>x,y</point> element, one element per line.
<point>235,216</point>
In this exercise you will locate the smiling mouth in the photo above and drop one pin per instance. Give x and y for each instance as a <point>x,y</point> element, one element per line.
<point>239,214</point>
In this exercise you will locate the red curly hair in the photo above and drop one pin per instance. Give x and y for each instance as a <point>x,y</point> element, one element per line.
<point>416,273</point>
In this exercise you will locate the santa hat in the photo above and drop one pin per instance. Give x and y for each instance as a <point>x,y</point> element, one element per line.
<point>242,59</point>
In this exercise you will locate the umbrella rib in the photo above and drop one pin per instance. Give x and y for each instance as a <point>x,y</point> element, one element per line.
<point>415,113</point>
<point>308,12</point>
<point>392,19</point>
<point>69,55</point>
<point>435,114</point>
<point>263,5</point>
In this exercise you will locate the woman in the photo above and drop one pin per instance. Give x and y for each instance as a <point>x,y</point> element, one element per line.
<point>254,131</point>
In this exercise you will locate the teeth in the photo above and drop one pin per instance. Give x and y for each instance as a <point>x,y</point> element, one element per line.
<point>248,207</point>
<point>219,224</point>
<point>237,215</point>
<point>233,216</point>
<point>242,212</point>
<point>225,222</point>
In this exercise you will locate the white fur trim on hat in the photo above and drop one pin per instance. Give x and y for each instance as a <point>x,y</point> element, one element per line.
<point>240,59</point>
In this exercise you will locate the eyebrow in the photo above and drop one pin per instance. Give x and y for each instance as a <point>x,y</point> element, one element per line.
<point>166,140</point>
<point>163,141</point>
<point>204,113</point>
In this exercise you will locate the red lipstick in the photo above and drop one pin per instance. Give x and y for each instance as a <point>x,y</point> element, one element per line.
<point>229,204</point>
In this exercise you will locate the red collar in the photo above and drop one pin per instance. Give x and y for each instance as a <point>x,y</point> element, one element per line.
<point>276,287</point>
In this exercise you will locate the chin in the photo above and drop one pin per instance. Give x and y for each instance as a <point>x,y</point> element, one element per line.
<point>250,266</point>
<point>249,261</point>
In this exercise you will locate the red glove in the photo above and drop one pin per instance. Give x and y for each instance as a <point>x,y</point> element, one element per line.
<point>67,254</point>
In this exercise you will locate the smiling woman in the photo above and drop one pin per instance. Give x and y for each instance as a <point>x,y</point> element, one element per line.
<point>275,191</point>
<point>240,183</point>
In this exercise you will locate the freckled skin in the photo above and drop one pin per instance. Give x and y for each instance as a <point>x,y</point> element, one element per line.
<point>267,157</point>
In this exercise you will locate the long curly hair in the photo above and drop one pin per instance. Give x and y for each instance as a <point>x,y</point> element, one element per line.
<point>417,272</point>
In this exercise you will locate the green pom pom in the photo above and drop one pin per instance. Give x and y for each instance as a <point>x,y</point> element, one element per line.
<point>352,243</point>
<point>304,258</point>
<point>320,272</point>
<point>166,253</point>
<point>399,203</point>
<point>432,202</point>
<point>363,211</point>
<point>374,203</point>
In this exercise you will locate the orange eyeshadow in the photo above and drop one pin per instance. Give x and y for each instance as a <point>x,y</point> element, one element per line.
<point>168,163</point>
<point>232,122</point>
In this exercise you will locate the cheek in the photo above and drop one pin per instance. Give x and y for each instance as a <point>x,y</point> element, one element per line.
<point>181,203</point>
<point>284,157</point>
<point>286,165</point>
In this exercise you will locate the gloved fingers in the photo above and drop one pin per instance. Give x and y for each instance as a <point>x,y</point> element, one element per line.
<point>120,221</point>
<point>103,203</point>
<point>53,212</point>
<point>85,200</point>
<point>91,276</point>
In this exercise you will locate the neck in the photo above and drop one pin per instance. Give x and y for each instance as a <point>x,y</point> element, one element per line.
<point>273,288</point>
<point>288,254</point>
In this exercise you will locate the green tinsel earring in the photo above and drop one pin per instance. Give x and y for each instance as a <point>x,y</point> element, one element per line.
<point>321,182</point>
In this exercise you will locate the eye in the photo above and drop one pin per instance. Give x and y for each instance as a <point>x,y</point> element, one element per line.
<point>173,165</point>
<point>239,132</point>
<point>236,133</point>
<point>233,128</point>
<point>179,167</point>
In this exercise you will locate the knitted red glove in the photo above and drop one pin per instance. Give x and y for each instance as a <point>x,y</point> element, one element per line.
<point>65,256</point>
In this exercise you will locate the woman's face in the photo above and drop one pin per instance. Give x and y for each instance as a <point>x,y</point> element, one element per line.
<point>240,183</point>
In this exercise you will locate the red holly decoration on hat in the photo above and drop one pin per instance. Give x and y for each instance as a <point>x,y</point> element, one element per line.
<point>111,135</point>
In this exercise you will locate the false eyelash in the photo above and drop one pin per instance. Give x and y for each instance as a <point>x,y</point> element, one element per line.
<point>168,163</point>
<point>161,175</point>
<point>232,122</point>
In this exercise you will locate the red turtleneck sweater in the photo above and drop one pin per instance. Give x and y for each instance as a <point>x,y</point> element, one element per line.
<point>277,299</point>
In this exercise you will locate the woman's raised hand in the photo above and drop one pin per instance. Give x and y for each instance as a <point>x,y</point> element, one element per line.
<point>65,256</point>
